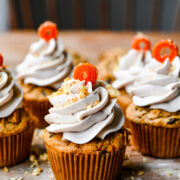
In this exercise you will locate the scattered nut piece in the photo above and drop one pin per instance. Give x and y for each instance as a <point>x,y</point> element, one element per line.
<point>20,178</point>
<point>132,177</point>
<point>5,169</point>
<point>140,173</point>
<point>169,173</point>
<point>37,171</point>
<point>127,163</point>
<point>35,164</point>
<point>113,93</point>
<point>32,157</point>
<point>27,173</point>
<point>144,159</point>
<point>43,157</point>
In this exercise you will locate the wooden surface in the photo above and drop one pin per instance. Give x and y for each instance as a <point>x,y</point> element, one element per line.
<point>14,46</point>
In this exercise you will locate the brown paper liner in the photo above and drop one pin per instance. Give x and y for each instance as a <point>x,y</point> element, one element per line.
<point>38,109</point>
<point>15,148</point>
<point>69,166</point>
<point>155,141</point>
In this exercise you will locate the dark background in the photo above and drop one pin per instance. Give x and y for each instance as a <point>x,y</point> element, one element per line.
<point>146,15</point>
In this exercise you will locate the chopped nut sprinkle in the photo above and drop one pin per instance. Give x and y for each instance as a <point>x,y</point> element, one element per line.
<point>32,157</point>
<point>169,173</point>
<point>5,169</point>
<point>43,157</point>
<point>37,171</point>
<point>140,173</point>
<point>27,173</point>
<point>113,93</point>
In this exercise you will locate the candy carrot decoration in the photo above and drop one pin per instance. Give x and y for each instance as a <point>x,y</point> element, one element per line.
<point>86,72</point>
<point>159,50</point>
<point>1,60</point>
<point>140,42</point>
<point>48,30</point>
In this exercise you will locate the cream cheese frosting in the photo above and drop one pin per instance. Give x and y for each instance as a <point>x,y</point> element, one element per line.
<point>130,66</point>
<point>83,112</point>
<point>10,93</point>
<point>158,86</point>
<point>47,64</point>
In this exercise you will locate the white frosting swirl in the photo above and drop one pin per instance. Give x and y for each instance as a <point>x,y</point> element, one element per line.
<point>158,86</point>
<point>10,93</point>
<point>46,64</point>
<point>80,124</point>
<point>130,66</point>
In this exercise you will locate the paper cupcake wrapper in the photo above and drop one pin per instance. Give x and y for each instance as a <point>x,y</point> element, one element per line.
<point>123,107</point>
<point>155,141</point>
<point>38,109</point>
<point>69,166</point>
<point>15,148</point>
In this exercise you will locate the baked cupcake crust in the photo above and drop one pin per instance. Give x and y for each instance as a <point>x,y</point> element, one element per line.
<point>155,117</point>
<point>17,122</point>
<point>112,142</point>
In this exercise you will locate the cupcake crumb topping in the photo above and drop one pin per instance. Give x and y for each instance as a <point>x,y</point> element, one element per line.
<point>113,93</point>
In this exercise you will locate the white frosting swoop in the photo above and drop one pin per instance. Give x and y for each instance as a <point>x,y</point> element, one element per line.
<point>46,64</point>
<point>158,86</point>
<point>10,93</point>
<point>81,118</point>
<point>130,66</point>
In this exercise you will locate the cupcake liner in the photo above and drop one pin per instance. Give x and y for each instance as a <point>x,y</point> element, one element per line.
<point>15,148</point>
<point>155,141</point>
<point>69,166</point>
<point>38,109</point>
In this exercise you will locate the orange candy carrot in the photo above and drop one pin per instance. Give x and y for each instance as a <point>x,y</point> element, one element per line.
<point>1,60</point>
<point>159,50</point>
<point>48,30</point>
<point>86,72</point>
<point>140,42</point>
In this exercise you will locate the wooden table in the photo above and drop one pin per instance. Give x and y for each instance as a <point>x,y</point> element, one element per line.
<point>14,46</point>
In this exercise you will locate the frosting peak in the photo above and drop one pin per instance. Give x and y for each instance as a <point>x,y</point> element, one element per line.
<point>82,112</point>
<point>10,93</point>
<point>130,65</point>
<point>47,64</point>
<point>158,86</point>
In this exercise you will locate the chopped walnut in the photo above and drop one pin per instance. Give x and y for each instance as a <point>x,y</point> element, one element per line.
<point>140,173</point>
<point>43,157</point>
<point>37,171</point>
<point>91,105</point>
<point>113,93</point>
<point>5,169</point>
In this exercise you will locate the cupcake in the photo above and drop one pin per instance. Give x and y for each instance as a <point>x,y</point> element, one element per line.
<point>85,132</point>
<point>16,126</point>
<point>154,115</point>
<point>43,70</point>
<point>123,75</point>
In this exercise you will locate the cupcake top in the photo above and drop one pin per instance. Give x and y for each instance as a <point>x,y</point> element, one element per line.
<point>10,93</point>
<point>132,64</point>
<point>84,108</point>
<point>158,86</point>
<point>47,63</point>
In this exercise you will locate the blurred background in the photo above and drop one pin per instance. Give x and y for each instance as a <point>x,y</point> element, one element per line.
<point>135,15</point>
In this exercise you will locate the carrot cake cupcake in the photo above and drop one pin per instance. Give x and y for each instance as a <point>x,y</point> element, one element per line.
<point>16,126</point>
<point>124,74</point>
<point>154,115</point>
<point>85,131</point>
<point>43,70</point>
